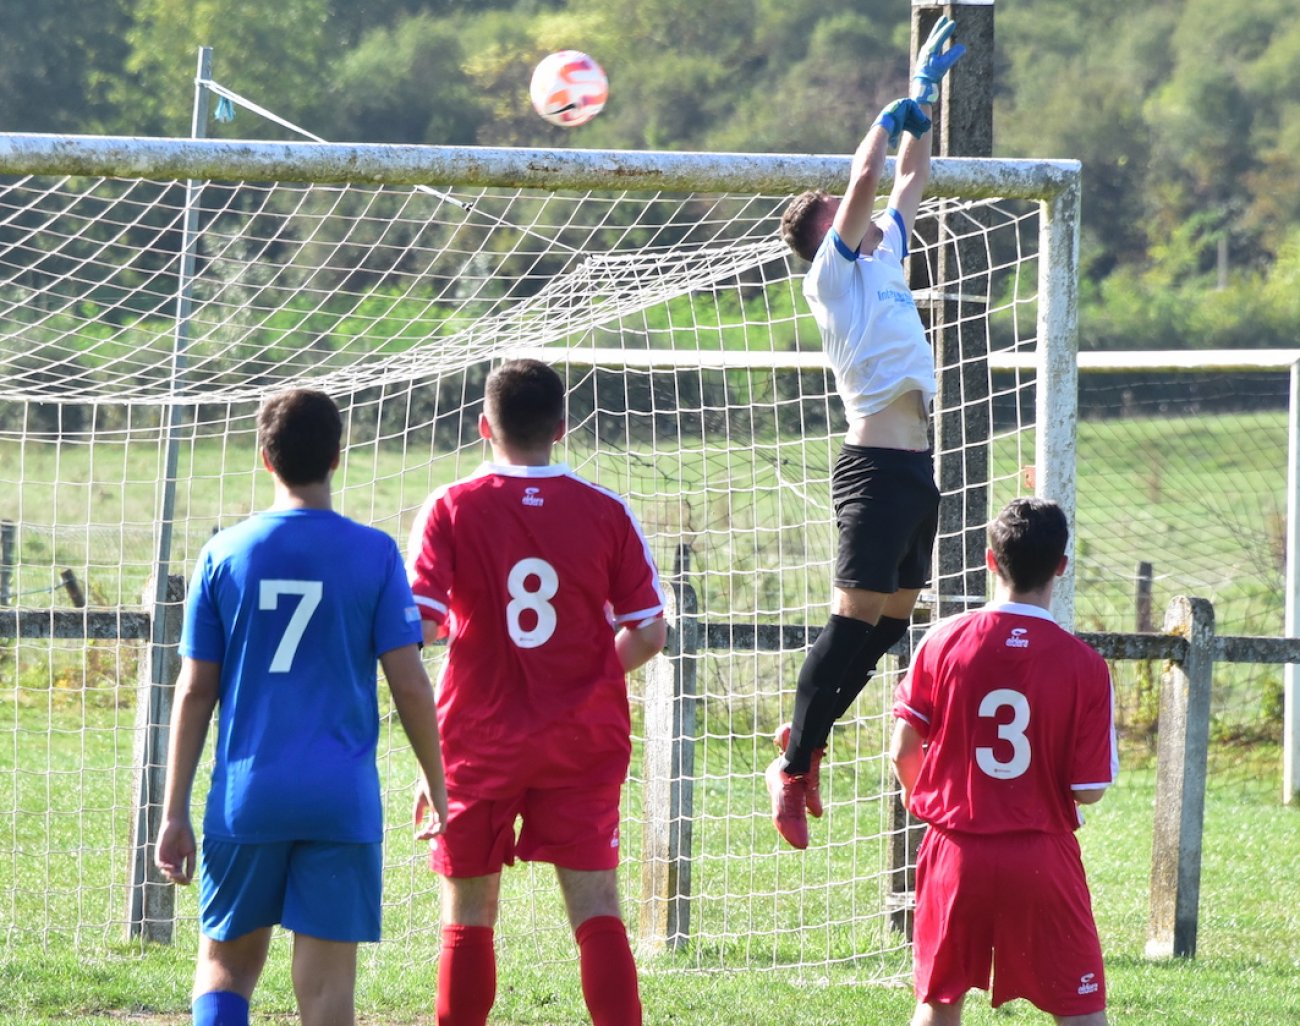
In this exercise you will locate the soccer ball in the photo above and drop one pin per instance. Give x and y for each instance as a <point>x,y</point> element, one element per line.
<point>568,88</point>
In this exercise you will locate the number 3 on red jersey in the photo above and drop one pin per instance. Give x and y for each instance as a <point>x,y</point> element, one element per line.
<point>1013,733</point>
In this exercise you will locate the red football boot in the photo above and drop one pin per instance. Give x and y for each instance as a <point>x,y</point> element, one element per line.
<point>789,803</point>
<point>812,779</point>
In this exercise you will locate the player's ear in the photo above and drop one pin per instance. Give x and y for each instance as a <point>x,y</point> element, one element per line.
<point>1060,569</point>
<point>484,428</point>
<point>560,429</point>
<point>991,562</point>
<point>266,461</point>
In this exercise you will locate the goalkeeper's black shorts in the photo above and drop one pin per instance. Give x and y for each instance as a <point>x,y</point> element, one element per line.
<point>887,510</point>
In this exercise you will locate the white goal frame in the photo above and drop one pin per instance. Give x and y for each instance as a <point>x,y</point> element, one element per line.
<point>1054,185</point>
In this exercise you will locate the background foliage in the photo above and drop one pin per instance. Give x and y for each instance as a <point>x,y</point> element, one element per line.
<point>1187,121</point>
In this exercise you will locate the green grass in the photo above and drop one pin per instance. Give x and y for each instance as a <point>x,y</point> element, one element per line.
<point>1184,494</point>
<point>1244,972</point>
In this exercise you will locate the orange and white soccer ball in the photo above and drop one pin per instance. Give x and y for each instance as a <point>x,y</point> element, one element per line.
<point>568,88</point>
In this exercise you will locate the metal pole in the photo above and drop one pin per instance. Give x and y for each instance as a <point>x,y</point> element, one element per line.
<point>235,160</point>
<point>162,641</point>
<point>1290,689</point>
<point>181,338</point>
<point>1142,598</point>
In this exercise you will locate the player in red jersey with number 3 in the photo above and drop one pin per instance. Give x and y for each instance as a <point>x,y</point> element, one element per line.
<point>548,592</point>
<point>1004,728</point>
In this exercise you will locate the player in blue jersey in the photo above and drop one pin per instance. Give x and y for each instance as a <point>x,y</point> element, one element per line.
<point>287,616</point>
<point>882,487</point>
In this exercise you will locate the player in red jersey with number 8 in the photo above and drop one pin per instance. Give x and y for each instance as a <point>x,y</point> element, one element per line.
<point>547,590</point>
<point>1004,728</point>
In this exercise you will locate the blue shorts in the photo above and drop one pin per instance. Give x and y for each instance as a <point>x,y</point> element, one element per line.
<point>321,889</point>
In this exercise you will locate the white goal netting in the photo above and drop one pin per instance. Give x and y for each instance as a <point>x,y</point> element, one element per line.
<point>140,323</point>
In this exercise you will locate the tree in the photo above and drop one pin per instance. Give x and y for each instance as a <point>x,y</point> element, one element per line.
<point>1061,95</point>
<point>278,55</point>
<point>406,84</point>
<point>56,57</point>
<point>819,97</point>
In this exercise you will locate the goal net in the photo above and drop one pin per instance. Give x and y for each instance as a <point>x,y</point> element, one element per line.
<point>142,318</point>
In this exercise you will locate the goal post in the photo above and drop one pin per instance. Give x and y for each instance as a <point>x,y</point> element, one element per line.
<point>393,277</point>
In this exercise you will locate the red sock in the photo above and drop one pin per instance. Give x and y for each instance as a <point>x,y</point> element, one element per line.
<point>608,972</point>
<point>467,976</point>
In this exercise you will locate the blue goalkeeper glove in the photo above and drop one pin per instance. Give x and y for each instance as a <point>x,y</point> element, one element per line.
<point>904,114</point>
<point>933,62</point>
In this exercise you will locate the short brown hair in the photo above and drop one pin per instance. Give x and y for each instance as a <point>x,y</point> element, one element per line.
<point>801,223</point>
<point>1028,539</point>
<point>524,403</point>
<point>300,430</point>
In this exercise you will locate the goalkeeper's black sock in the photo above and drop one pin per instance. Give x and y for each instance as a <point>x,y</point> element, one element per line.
<point>884,636</point>
<point>833,655</point>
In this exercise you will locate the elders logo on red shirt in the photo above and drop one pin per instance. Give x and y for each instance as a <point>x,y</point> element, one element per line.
<point>1018,639</point>
<point>532,498</point>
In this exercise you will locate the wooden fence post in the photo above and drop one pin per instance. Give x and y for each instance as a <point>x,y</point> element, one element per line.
<point>669,769</point>
<point>1182,748</point>
<point>1142,598</point>
<point>151,904</point>
<point>7,533</point>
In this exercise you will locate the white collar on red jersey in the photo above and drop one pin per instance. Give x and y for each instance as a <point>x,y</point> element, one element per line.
<point>515,470</point>
<point>1020,609</point>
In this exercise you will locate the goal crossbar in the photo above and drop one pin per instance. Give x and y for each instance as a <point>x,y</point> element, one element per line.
<point>639,170</point>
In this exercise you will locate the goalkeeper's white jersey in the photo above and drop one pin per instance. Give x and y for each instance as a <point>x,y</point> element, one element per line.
<point>871,331</point>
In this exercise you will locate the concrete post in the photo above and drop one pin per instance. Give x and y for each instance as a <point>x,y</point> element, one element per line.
<point>669,761</point>
<point>1182,748</point>
<point>955,301</point>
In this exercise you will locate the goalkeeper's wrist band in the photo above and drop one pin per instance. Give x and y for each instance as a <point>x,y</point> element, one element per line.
<point>924,90</point>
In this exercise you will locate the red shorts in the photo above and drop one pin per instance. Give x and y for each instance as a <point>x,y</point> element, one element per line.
<point>1014,906</point>
<point>572,827</point>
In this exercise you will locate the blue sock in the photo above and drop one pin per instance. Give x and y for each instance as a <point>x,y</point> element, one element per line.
<point>220,1008</point>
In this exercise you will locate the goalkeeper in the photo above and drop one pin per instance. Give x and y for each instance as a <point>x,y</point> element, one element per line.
<point>886,502</point>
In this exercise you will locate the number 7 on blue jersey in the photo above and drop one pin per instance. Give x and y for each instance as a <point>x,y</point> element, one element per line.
<point>309,595</point>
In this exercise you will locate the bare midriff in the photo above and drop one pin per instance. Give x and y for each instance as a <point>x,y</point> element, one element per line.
<point>903,424</point>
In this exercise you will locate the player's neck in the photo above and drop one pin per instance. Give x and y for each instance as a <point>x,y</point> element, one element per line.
<point>1042,597</point>
<point>309,496</point>
<point>515,456</point>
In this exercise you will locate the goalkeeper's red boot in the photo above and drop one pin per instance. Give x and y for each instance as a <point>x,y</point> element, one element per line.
<point>789,803</point>
<point>813,778</point>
